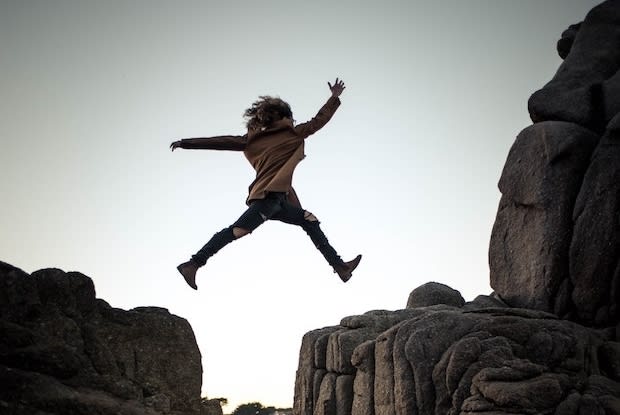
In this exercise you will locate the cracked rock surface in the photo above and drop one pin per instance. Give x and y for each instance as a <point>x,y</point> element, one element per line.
<point>63,351</point>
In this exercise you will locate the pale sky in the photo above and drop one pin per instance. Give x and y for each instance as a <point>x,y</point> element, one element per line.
<point>93,92</point>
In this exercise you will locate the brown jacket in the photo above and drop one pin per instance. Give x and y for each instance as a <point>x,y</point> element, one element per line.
<point>273,152</point>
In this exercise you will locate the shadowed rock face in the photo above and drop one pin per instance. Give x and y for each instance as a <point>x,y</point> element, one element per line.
<point>547,340</point>
<point>62,351</point>
<point>533,230</point>
<point>474,359</point>
<point>481,357</point>
<point>555,244</point>
<point>585,88</point>
<point>595,247</point>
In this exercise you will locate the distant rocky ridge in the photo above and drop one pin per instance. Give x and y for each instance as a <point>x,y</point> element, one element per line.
<point>62,351</point>
<point>547,340</point>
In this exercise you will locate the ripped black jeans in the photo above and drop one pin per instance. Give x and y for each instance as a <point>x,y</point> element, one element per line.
<point>274,207</point>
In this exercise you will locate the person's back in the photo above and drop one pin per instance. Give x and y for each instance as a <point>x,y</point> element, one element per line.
<point>274,154</point>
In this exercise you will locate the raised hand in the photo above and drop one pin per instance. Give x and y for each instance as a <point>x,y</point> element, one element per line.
<point>337,88</point>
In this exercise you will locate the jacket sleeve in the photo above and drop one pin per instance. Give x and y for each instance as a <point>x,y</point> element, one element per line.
<point>222,142</point>
<point>324,115</point>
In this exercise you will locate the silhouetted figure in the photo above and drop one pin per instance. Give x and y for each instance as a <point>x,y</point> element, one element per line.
<point>274,146</point>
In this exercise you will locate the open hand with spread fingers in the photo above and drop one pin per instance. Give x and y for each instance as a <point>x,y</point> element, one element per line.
<point>337,88</point>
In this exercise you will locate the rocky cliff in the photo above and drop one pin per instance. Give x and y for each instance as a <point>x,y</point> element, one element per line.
<point>547,340</point>
<point>557,233</point>
<point>63,351</point>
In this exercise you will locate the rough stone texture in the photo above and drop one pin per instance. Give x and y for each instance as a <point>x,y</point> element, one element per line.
<point>326,402</point>
<point>445,360</point>
<point>485,301</point>
<point>556,234</point>
<point>433,293</point>
<point>566,41</point>
<point>547,339</point>
<point>62,351</point>
<point>363,384</point>
<point>609,356</point>
<point>532,233</point>
<point>311,370</point>
<point>384,373</point>
<point>437,360</point>
<point>344,396</point>
<point>326,354</point>
<point>584,89</point>
<point>595,247</point>
<point>211,407</point>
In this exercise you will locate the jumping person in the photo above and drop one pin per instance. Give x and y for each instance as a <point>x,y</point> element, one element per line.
<point>274,146</point>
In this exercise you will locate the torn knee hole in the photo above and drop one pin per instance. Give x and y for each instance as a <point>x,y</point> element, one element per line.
<point>239,232</point>
<point>310,217</point>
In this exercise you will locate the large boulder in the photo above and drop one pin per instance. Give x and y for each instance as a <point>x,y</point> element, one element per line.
<point>450,360</point>
<point>434,293</point>
<point>585,88</point>
<point>555,244</point>
<point>325,360</point>
<point>531,237</point>
<point>595,246</point>
<point>311,369</point>
<point>64,351</point>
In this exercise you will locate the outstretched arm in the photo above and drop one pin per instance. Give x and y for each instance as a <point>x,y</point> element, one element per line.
<point>325,113</point>
<point>222,142</point>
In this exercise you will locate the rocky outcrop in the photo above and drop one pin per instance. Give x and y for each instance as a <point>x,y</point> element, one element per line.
<point>533,230</point>
<point>62,351</point>
<point>547,340</point>
<point>555,245</point>
<point>595,246</point>
<point>433,293</point>
<point>586,88</point>
<point>473,359</point>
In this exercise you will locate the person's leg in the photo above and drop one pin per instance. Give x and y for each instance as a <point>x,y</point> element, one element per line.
<point>256,214</point>
<point>311,225</point>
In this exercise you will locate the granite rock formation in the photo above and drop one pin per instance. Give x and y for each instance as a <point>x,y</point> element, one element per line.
<point>547,339</point>
<point>557,233</point>
<point>479,358</point>
<point>63,351</point>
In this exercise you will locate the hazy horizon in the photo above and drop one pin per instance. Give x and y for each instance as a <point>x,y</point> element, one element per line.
<point>405,173</point>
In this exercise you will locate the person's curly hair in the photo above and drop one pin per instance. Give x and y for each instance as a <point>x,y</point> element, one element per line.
<point>265,111</point>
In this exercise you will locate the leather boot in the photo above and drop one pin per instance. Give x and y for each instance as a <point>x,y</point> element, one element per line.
<point>188,271</point>
<point>218,241</point>
<point>345,270</point>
